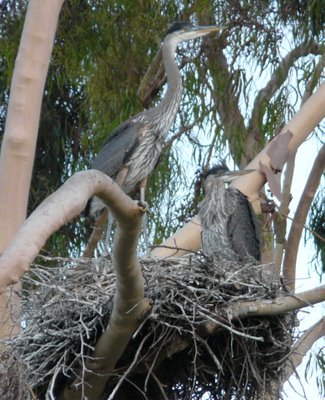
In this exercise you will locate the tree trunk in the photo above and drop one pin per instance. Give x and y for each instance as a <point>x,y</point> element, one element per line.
<point>19,140</point>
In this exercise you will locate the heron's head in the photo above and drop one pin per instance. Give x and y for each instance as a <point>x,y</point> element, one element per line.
<point>221,173</point>
<point>181,31</point>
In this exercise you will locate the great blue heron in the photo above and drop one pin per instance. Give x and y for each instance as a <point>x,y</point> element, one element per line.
<point>230,229</point>
<point>131,151</point>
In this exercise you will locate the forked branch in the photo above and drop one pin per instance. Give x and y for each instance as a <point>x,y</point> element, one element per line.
<point>290,258</point>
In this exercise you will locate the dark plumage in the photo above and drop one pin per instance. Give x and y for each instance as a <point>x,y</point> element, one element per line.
<point>230,230</point>
<point>131,151</point>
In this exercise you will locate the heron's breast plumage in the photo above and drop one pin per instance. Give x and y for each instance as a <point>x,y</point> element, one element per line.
<point>229,231</point>
<point>144,158</point>
<point>214,213</point>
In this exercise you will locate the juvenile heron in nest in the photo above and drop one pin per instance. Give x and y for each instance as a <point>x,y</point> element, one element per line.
<point>230,229</point>
<point>131,151</point>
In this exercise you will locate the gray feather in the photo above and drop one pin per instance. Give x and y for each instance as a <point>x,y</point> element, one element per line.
<point>230,229</point>
<point>243,228</point>
<point>118,148</point>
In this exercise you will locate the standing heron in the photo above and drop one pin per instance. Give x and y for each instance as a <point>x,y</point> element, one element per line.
<point>229,226</point>
<point>131,151</point>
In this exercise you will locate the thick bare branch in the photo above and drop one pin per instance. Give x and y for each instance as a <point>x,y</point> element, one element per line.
<point>19,140</point>
<point>129,304</point>
<point>59,208</point>
<point>290,258</point>
<point>280,304</point>
<point>301,125</point>
<point>20,135</point>
<point>184,241</point>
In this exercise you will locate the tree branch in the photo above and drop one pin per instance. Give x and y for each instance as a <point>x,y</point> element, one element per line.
<point>314,78</point>
<point>98,229</point>
<point>287,181</point>
<point>281,221</point>
<point>279,305</point>
<point>290,258</point>
<point>152,80</point>
<point>178,134</point>
<point>303,344</point>
<point>19,140</point>
<point>278,77</point>
<point>223,92</point>
<point>20,135</point>
<point>59,208</point>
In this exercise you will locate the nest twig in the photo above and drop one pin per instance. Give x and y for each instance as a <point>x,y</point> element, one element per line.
<point>187,346</point>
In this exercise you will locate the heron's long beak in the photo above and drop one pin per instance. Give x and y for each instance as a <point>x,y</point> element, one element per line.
<point>229,176</point>
<point>204,30</point>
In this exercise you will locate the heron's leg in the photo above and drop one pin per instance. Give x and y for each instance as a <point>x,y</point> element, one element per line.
<point>120,178</point>
<point>108,232</point>
<point>143,185</point>
<point>96,234</point>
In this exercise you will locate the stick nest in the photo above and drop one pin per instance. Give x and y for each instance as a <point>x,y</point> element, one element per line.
<point>188,345</point>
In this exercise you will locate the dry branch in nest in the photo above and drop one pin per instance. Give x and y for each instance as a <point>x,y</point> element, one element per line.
<point>189,344</point>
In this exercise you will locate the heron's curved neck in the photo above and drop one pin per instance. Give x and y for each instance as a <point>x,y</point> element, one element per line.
<point>170,103</point>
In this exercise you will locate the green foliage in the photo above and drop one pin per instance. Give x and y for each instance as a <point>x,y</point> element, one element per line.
<point>317,228</point>
<point>12,18</point>
<point>316,364</point>
<point>320,379</point>
<point>306,14</point>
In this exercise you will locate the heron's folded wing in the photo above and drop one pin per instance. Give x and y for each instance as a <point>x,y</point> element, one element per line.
<point>244,230</point>
<point>118,148</point>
